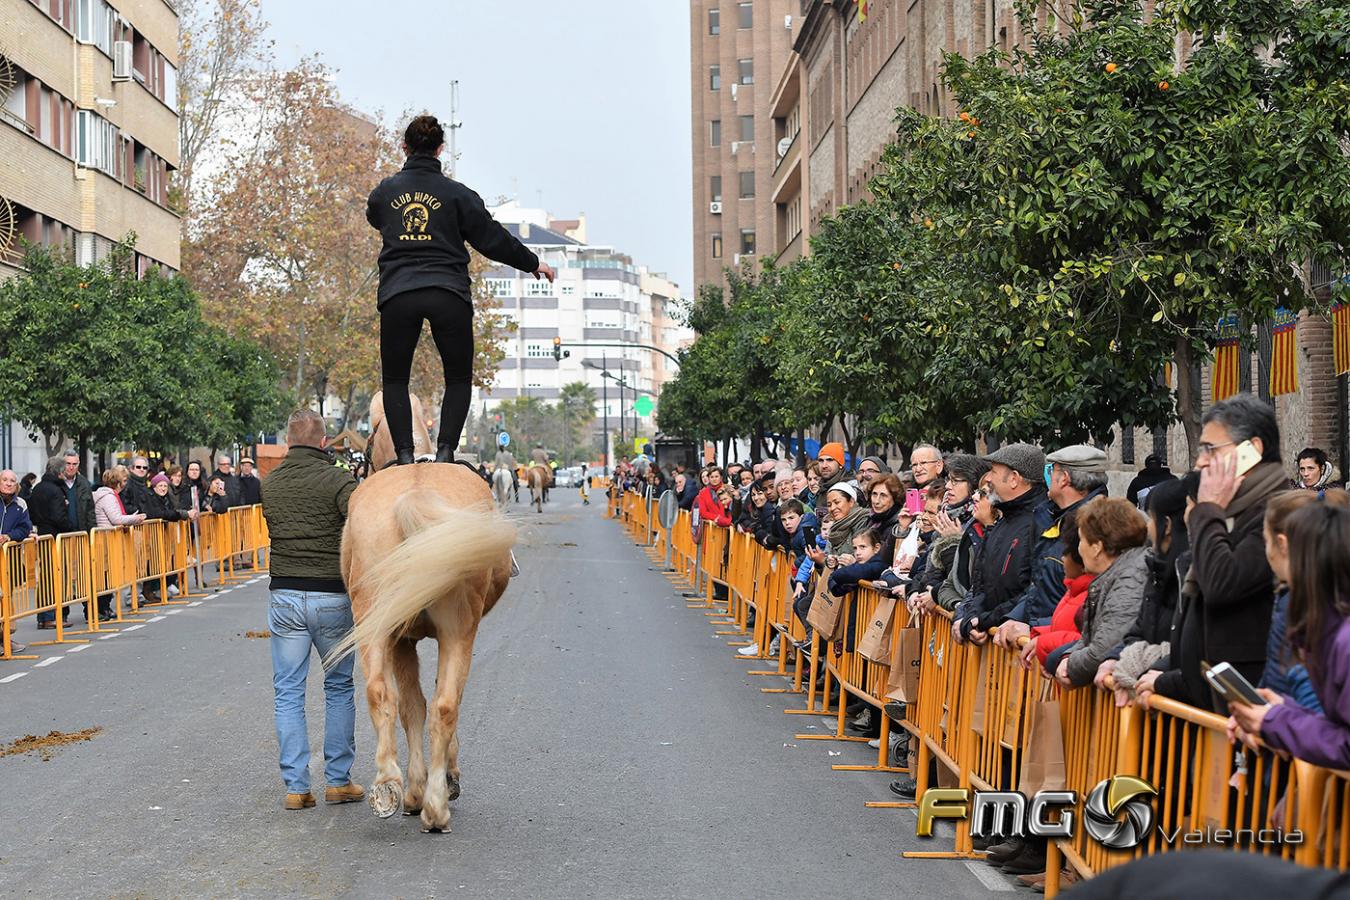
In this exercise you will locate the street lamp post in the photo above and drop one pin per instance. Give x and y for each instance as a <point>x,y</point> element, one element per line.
<point>604,387</point>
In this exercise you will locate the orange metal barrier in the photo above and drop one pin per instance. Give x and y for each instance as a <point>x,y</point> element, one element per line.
<point>50,574</point>
<point>972,716</point>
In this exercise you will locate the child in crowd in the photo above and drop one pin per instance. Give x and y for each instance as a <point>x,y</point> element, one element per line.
<point>1319,633</point>
<point>866,546</point>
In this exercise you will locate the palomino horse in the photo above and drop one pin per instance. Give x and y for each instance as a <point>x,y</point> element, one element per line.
<point>501,485</point>
<point>424,554</point>
<point>538,481</point>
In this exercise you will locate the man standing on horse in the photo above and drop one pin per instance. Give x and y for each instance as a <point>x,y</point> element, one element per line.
<point>424,219</point>
<point>305,503</point>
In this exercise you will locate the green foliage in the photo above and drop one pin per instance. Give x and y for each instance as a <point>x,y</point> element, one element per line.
<point>93,352</point>
<point>1030,266</point>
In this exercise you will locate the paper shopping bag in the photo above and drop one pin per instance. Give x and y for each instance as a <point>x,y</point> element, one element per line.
<point>876,640</point>
<point>824,615</point>
<point>1043,755</point>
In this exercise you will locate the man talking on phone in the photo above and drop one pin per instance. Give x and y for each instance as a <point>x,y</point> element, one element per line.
<point>1239,463</point>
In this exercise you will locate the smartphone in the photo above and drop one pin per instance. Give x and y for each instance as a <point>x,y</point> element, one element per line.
<point>913,502</point>
<point>1247,457</point>
<point>1231,686</point>
<point>810,534</point>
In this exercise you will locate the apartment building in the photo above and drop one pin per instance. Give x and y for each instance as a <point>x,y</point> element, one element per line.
<point>602,307</point>
<point>738,50</point>
<point>89,135</point>
<point>831,116</point>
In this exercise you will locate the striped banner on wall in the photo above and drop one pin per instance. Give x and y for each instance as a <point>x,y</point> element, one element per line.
<point>1224,376</point>
<point>1284,352</point>
<point>1340,330</point>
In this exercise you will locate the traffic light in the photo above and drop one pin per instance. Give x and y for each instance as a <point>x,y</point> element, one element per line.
<point>559,353</point>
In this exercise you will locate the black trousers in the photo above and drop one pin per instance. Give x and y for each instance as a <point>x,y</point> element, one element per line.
<point>451,318</point>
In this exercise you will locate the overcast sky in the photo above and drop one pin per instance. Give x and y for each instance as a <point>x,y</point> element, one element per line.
<point>581,103</point>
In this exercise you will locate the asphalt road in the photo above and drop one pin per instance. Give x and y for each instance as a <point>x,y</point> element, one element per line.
<point>611,747</point>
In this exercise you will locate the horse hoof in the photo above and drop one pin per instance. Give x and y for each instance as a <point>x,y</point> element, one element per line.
<point>386,798</point>
<point>453,784</point>
<point>426,829</point>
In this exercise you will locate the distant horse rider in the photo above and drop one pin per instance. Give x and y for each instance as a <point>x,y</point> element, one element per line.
<point>424,219</point>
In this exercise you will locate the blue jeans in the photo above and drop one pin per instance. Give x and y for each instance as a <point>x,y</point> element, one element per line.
<point>300,620</point>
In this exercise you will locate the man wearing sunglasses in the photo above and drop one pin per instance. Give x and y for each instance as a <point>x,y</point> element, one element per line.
<point>136,495</point>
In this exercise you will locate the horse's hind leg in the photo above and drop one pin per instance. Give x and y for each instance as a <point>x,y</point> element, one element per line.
<point>456,651</point>
<point>412,710</point>
<point>386,795</point>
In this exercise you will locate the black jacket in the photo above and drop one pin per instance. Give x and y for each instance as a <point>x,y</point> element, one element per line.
<point>1004,568</point>
<point>1181,678</point>
<point>232,489</point>
<point>166,507</point>
<point>424,219</point>
<point>250,490</point>
<point>47,506</point>
<point>136,496</point>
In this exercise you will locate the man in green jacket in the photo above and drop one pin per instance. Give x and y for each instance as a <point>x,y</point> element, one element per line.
<point>305,503</point>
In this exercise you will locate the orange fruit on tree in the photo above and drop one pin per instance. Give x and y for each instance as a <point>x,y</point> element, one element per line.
<point>964,117</point>
<point>1162,85</point>
<point>1111,68</point>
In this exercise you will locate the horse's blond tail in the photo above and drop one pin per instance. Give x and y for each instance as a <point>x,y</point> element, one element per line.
<point>443,546</point>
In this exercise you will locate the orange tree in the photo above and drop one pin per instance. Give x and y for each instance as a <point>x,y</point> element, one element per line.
<point>1111,203</point>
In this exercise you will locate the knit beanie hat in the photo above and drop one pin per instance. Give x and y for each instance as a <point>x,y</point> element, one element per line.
<point>834,450</point>
<point>158,479</point>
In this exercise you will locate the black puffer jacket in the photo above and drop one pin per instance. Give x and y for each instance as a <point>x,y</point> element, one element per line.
<point>157,507</point>
<point>305,503</point>
<point>1004,567</point>
<point>47,506</point>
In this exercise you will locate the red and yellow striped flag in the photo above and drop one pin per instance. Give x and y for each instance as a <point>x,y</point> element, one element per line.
<point>1224,375</point>
<point>1340,330</point>
<point>1284,352</point>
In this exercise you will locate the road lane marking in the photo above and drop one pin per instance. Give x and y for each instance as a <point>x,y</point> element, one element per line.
<point>195,603</point>
<point>133,628</point>
<point>15,677</point>
<point>78,649</point>
<point>173,612</point>
<point>47,662</point>
<point>988,877</point>
<point>155,619</point>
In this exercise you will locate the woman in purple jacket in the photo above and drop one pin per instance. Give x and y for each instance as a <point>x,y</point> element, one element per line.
<point>1319,631</point>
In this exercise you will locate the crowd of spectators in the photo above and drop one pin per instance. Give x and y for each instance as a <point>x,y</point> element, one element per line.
<point>63,501</point>
<point>1239,561</point>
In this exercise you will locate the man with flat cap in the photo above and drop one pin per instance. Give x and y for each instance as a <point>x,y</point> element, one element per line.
<point>1004,568</point>
<point>1073,476</point>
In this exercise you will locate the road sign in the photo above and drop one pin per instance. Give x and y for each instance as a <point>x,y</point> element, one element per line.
<point>503,440</point>
<point>638,444</point>
<point>668,510</point>
<point>643,406</point>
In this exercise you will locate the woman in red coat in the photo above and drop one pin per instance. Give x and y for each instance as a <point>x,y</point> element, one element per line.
<point>710,508</point>
<point>1063,628</point>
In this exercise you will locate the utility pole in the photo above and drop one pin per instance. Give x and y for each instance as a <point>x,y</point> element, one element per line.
<point>604,387</point>
<point>455,125</point>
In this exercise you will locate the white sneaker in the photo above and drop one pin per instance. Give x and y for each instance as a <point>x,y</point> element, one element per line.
<point>875,743</point>
<point>752,650</point>
<point>173,590</point>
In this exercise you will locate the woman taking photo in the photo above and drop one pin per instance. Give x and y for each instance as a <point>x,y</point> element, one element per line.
<point>424,219</point>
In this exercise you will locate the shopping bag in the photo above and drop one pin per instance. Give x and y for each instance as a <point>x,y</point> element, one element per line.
<point>977,708</point>
<point>902,683</point>
<point>1043,754</point>
<point>876,640</point>
<point>824,615</point>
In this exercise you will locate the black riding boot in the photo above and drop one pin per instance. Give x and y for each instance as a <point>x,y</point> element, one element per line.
<point>404,458</point>
<point>445,453</point>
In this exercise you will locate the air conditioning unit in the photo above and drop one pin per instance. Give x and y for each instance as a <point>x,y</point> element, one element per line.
<point>787,22</point>
<point>735,145</point>
<point>121,60</point>
<point>715,207</point>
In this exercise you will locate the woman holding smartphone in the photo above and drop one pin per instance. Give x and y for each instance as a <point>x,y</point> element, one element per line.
<point>1319,634</point>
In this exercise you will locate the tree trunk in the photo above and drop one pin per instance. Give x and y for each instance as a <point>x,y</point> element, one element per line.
<point>757,444</point>
<point>82,445</point>
<point>1188,399</point>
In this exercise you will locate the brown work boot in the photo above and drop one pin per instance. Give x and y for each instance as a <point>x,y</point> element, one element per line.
<point>299,801</point>
<point>347,793</point>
